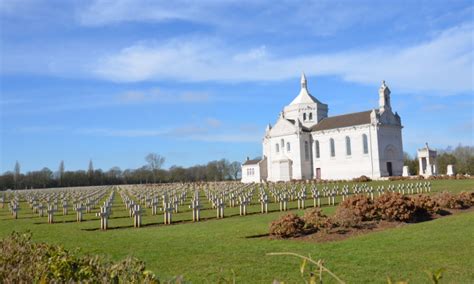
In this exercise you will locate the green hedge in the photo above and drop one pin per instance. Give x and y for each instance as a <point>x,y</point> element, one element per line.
<point>25,261</point>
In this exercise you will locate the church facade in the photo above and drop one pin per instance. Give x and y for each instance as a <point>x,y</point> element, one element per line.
<point>305,143</point>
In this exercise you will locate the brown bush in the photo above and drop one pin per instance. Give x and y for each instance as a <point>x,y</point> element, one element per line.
<point>460,176</point>
<point>451,201</point>
<point>427,203</point>
<point>396,207</point>
<point>314,219</point>
<point>396,178</point>
<point>361,179</point>
<point>467,198</point>
<point>361,206</point>
<point>289,225</point>
<point>345,217</point>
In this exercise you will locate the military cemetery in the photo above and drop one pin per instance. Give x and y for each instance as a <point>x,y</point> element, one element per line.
<point>117,220</point>
<point>236,142</point>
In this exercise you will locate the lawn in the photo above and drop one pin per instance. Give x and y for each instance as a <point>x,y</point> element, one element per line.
<point>209,250</point>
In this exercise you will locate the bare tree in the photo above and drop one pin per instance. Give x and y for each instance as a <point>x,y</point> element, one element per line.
<point>235,169</point>
<point>114,172</point>
<point>90,172</point>
<point>90,169</point>
<point>46,175</point>
<point>61,173</point>
<point>16,174</point>
<point>155,162</point>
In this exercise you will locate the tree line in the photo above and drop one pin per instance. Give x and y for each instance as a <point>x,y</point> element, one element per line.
<point>461,157</point>
<point>152,172</point>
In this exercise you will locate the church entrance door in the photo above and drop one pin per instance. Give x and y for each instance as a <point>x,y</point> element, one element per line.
<point>318,173</point>
<point>389,168</point>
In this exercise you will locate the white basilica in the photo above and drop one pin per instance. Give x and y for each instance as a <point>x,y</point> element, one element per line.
<point>305,143</point>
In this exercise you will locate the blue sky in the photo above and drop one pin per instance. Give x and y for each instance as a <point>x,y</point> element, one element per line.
<point>199,80</point>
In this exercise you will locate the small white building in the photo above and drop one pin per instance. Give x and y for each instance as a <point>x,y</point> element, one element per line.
<point>427,161</point>
<point>305,143</point>
<point>254,170</point>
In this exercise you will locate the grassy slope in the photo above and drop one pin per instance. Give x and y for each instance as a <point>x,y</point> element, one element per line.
<point>208,249</point>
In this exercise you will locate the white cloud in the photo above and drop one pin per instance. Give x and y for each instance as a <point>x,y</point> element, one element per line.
<point>209,131</point>
<point>251,55</point>
<point>120,132</point>
<point>240,16</point>
<point>104,12</point>
<point>234,137</point>
<point>442,65</point>
<point>159,96</point>
<point>213,122</point>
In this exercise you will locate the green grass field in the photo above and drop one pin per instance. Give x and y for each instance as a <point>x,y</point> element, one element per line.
<point>206,251</point>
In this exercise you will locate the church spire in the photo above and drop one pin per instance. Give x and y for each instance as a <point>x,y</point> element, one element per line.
<point>303,81</point>
<point>384,97</point>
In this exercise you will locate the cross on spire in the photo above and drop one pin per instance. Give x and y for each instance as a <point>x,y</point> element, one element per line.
<point>303,81</point>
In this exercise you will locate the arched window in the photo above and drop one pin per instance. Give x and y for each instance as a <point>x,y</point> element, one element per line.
<point>304,116</point>
<point>316,146</point>
<point>306,150</point>
<point>365,144</point>
<point>310,116</point>
<point>348,146</point>
<point>282,142</point>
<point>332,147</point>
<point>277,147</point>
<point>288,148</point>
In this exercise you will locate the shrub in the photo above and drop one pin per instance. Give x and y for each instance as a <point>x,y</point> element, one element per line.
<point>394,206</point>
<point>460,176</point>
<point>314,219</point>
<point>467,199</point>
<point>289,225</point>
<point>451,201</point>
<point>23,261</point>
<point>361,179</point>
<point>360,206</point>
<point>427,203</point>
<point>397,178</point>
<point>345,218</point>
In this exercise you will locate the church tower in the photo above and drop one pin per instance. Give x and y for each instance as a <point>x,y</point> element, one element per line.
<point>306,108</point>
<point>384,98</point>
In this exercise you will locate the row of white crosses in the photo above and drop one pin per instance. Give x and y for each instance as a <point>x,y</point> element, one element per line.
<point>134,209</point>
<point>284,193</point>
<point>196,206</point>
<point>43,201</point>
<point>2,201</point>
<point>14,207</point>
<point>172,196</point>
<point>264,200</point>
<point>168,208</point>
<point>106,211</point>
<point>87,204</point>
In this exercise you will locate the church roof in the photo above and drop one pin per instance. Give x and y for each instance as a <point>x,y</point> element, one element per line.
<point>292,121</point>
<point>345,120</point>
<point>251,162</point>
<point>304,97</point>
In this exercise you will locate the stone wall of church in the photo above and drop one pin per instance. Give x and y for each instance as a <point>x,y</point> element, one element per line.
<point>390,149</point>
<point>283,163</point>
<point>344,165</point>
<point>305,157</point>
